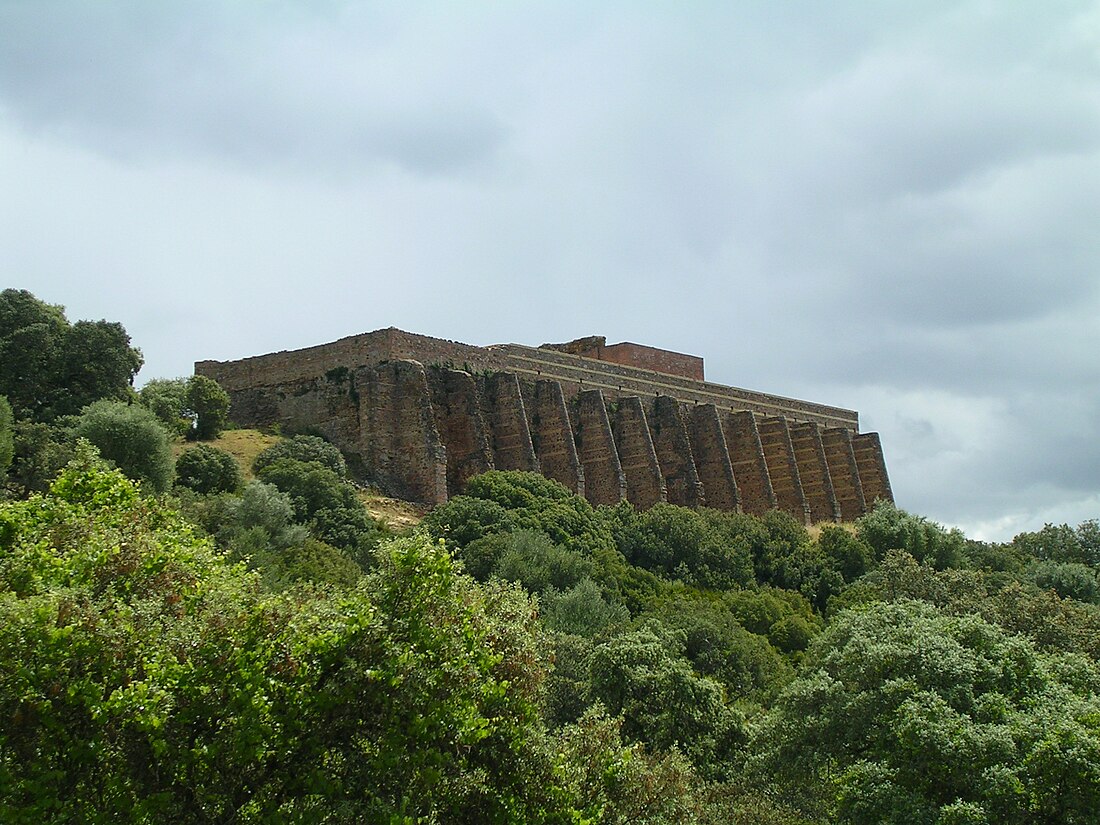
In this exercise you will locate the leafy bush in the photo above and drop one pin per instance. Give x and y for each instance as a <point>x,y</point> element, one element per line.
<point>530,558</point>
<point>208,404</point>
<point>7,435</point>
<point>206,470</point>
<point>131,438</point>
<point>921,716</point>
<point>327,504</point>
<point>1068,579</point>
<point>303,448</point>
<point>144,679</point>
<point>166,398</point>
<point>582,610</point>
<point>643,676</point>
<point>680,543</point>
<point>534,502</point>
<point>888,528</point>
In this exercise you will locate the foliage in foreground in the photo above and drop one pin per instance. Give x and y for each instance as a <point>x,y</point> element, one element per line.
<point>142,678</point>
<point>915,717</point>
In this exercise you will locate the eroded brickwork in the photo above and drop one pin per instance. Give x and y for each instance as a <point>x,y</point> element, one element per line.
<point>712,458</point>
<point>775,438</point>
<point>844,472</point>
<point>456,406</point>
<point>750,466</point>
<point>399,442</point>
<point>672,444</point>
<point>644,484</point>
<point>872,468</point>
<point>606,421</point>
<point>813,470</point>
<point>503,410</point>
<point>552,434</point>
<point>604,482</point>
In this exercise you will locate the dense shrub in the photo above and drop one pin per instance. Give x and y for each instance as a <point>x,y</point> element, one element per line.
<point>887,528</point>
<point>7,435</point>
<point>303,448</point>
<point>206,470</point>
<point>131,438</point>
<point>920,717</point>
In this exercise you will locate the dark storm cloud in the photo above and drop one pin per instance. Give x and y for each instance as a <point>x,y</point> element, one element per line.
<point>888,207</point>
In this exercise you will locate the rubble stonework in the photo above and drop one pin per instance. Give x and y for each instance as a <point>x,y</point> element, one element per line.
<point>420,415</point>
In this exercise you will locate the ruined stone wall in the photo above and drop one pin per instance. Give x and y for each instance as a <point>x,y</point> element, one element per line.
<point>420,416</point>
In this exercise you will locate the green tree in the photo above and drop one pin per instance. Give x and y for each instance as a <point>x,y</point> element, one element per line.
<point>207,469</point>
<point>208,405</point>
<point>888,528</point>
<point>683,544</point>
<point>327,504</point>
<point>643,676</point>
<point>40,451</point>
<point>166,398</point>
<point>49,368</point>
<point>97,362</point>
<point>142,678</point>
<point>1062,543</point>
<point>130,437</point>
<point>303,448</point>
<point>917,716</point>
<point>7,435</point>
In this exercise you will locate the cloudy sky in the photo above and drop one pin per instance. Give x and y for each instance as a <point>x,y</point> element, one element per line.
<point>885,206</point>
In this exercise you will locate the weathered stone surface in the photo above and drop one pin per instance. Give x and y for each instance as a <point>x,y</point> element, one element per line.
<point>872,468</point>
<point>503,409</point>
<point>844,472</point>
<point>457,408</point>
<point>552,434</point>
<point>644,484</point>
<point>604,482</point>
<point>399,444</point>
<point>712,458</point>
<point>775,438</point>
<point>672,444</point>
<point>750,467</point>
<point>813,470</point>
<point>512,411</point>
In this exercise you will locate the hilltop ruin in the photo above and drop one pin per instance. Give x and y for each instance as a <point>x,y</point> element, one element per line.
<point>420,416</point>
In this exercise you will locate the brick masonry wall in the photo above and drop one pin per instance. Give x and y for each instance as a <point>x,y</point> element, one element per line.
<point>872,468</point>
<point>422,434</point>
<point>503,410</point>
<point>750,466</point>
<point>577,373</point>
<point>456,406</point>
<point>844,472</point>
<point>399,443</point>
<point>649,358</point>
<point>813,470</point>
<point>712,458</point>
<point>644,484</point>
<point>604,482</point>
<point>775,438</point>
<point>671,441</point>
<point>552,433</point>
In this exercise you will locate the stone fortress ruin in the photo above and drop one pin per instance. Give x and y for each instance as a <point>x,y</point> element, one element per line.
<point>419,416</point>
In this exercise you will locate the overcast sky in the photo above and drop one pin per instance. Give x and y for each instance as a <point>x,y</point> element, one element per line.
<point>885,206</point>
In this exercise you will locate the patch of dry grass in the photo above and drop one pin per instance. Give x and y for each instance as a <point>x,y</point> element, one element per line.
<point>245,445</point>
